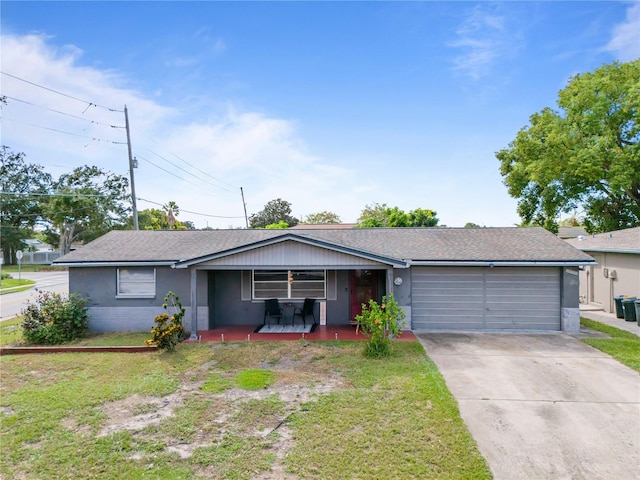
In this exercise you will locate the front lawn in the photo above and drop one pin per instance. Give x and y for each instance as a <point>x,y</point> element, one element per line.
<point>621,345</point>
<point>321,411</point>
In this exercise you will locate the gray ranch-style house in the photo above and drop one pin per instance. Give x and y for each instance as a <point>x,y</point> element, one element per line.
<point>445,279</point>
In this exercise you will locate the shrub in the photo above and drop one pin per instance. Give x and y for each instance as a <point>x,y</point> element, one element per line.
<point>54,318</point>
<point>168,330</point>
<point>381,323</point>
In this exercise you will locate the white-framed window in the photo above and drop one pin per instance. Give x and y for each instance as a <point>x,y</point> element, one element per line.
<point>136,282</point>
<point>289,284</point>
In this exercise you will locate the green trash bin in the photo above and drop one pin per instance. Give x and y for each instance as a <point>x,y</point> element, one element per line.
<point>638,311</point>
<point>619,309</point>
<point>629,306</point>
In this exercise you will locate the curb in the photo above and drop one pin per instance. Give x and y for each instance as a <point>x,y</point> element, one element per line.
<point>28,350</point>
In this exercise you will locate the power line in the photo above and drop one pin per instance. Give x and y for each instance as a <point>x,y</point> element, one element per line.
<point>191,165</point>
<point>64,113</point>
<point>67,133</point>
<point>89,104</point>
<point>188,211</point>
<point>186,171</point>
<point>165,170</point>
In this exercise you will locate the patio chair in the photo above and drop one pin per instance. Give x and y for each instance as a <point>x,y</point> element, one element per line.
<point>272,309</point>
<point>307,309</point>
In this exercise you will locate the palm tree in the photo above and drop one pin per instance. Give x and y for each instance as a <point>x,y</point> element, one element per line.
<point>171,211</point>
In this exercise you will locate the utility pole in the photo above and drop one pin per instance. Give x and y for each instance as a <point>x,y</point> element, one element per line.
<point>246,220</point>
<point>131,166</point>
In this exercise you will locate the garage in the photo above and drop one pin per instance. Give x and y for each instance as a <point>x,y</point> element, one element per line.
<point>485,298</point>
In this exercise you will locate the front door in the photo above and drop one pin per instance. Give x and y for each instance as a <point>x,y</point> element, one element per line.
<point>364,287</point>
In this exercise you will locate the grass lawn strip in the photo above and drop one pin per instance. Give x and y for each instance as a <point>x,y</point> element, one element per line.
<point>327,412</point>
<point>621,345</point>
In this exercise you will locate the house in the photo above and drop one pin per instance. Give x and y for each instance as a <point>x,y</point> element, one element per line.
<point>484,279</point>
<point>618,267</point>
<point>571,232</point>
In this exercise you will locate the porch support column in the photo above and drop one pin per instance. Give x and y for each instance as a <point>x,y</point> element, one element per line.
<point>194,304</point>
<point>389,280</point>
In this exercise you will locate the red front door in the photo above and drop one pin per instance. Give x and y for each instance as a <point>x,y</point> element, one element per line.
<point>364,287</point>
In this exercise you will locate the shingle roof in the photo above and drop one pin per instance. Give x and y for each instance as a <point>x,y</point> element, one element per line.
<point>415,244</point>
<point>624,241</point>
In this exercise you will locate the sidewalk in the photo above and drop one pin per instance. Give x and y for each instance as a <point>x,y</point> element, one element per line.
<point>610,319</point>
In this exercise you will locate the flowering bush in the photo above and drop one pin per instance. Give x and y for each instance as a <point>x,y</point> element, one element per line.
<point>54,318</point>
<point>168,330</point>
<point>381,323</point>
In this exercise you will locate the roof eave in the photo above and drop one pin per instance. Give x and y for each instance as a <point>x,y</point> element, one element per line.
<point>118,263</point>
<point>502,263</point>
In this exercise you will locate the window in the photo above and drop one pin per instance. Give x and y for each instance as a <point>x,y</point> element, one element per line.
<point>289,284</point>
<point>136,282</point>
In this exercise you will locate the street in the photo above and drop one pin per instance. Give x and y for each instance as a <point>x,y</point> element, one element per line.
<point>12,303</point>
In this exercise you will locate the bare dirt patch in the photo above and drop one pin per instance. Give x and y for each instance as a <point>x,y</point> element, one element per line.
<point>300,377</point>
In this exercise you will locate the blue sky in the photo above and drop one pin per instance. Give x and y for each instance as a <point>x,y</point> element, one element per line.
<point>328,105</point>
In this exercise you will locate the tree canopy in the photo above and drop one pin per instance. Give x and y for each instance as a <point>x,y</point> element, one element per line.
<point>85,204</point>
<point>322,218</point>
<point>381,215</point>
<point>274,212</point>
<point>23,189</point>
<point>585,155</point>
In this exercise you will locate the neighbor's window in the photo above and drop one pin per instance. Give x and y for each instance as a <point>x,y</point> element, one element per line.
<point>289,284</point>
<point>136,282</point>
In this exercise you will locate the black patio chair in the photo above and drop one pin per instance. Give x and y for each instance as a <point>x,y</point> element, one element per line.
<point>272,309</point>
<point>307,309</point>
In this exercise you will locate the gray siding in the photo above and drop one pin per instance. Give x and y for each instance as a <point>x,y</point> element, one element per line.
<point>290,254</point>
<point>480,298</point>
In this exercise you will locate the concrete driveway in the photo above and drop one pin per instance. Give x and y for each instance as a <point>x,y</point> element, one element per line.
<point>543,406</point>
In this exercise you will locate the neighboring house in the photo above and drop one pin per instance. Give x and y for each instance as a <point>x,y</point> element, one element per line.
<point>510,279</point>
<point>571,232</point>
<point>618,269</point>
<point>38,253</point>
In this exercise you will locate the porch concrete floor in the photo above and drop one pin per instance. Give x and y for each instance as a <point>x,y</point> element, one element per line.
<point>243,333</point>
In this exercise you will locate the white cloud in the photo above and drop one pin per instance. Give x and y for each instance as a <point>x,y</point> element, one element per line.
<point>625,41</point>
<point>483,40</point>
<point>238,148</point>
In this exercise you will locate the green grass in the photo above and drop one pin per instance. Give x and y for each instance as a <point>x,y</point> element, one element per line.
<point>254,379</point>
<point>11,334</point>
<point>12,285</point>
<point>324,412</point>
<point>10,331</point>
<point>622,345</point>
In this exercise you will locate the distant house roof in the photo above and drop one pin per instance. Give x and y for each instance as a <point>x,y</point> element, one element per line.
<point>395,246</point>
<point>571,232</point>
<point>322,226</point>
<point>620,241</point>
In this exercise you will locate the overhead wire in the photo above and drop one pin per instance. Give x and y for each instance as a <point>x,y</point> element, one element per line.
<point>89,104</point>
<point>67,133</point>
<point>93,104</point>
<point>187,211</point>
<point>63,113</point>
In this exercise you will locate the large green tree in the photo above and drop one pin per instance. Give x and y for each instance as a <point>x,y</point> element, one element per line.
<point>23,188</point>
<point>85,204</point>
<point>381,215</point>
<point>322,218</point>
<point>584,155</point>
<point>274,212</point>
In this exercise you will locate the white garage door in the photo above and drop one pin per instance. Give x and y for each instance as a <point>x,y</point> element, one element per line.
<point>480,298</point>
